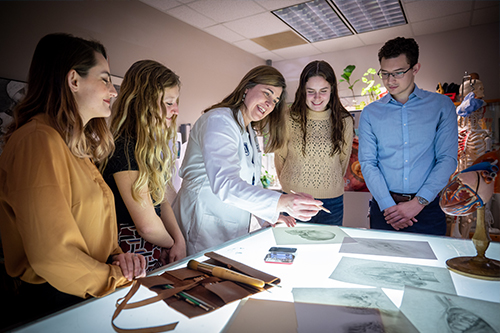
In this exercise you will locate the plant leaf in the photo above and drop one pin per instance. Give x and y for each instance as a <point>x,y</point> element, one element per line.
<point>349,69</point>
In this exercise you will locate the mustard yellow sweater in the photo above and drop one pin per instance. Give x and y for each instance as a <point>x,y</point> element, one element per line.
<point>57,215</point>
<point>317,173</point>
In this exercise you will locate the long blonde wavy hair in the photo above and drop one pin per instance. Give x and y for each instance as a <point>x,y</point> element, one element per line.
<point>138,116</point>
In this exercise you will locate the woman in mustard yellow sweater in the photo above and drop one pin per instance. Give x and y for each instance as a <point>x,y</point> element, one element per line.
<point>57,217</point>
<point>319,141</point>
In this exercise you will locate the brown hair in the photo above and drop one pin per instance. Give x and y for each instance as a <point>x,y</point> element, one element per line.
<point>298,110</point>
<point>395,47</point>
<point>48,93</point>
<point>272,126</point>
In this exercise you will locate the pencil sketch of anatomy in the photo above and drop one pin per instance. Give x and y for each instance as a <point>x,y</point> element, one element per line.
<point>393,275</point>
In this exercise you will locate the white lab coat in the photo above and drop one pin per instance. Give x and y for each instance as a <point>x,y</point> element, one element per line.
<point>217,198</point>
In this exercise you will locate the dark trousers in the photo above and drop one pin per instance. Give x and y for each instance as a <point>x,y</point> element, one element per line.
<point>29,302</point>
<point>431,220</point>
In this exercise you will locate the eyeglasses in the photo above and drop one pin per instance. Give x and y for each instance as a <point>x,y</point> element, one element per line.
<point>396,75</point>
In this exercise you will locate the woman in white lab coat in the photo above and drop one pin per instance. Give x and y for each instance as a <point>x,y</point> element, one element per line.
<point>221,168</point>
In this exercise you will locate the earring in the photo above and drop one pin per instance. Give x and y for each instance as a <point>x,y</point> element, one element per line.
<point>243,98</point>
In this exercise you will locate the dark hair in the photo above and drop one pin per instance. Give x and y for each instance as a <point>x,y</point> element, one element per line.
<point>48,93</point>
<point>137,116</point>
<point>298,110</point>
<point>397,46</point>
<point>273,125</point>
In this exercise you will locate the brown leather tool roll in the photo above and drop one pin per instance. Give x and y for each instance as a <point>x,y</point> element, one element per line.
<point>199,288</point>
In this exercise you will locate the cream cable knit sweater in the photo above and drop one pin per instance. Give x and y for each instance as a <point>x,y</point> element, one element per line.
<point>317,173</point>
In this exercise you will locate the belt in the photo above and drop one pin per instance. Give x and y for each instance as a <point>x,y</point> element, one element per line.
<point>400,197</point>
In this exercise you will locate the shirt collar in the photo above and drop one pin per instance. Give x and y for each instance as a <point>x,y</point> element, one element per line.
<point>417,92</point>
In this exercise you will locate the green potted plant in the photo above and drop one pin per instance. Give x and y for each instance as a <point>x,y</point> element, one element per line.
<point>266,179</point>
<point>372,89</point>
<point>346,76</point>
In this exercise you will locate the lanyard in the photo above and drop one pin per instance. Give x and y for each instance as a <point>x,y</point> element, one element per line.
<point>248,149</point>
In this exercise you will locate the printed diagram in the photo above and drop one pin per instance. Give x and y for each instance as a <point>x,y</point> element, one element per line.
<point>321,234</point>
<point>461,320</point>
<point>312,234</point>
<point>389,247</point>
<point>450,313</point>
<point>393,275</point>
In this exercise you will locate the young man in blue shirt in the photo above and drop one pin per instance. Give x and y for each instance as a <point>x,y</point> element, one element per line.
<point>408,142</point>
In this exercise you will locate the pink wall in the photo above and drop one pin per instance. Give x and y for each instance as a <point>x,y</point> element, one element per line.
<point>444,58</point>
<point>209,67</point>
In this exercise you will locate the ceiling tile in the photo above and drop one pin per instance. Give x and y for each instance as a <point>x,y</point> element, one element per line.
<point>381,36</point>
<point>337,44</point>
<point>442,24</point>
<point>269,55</point>
<point>297,51</point>
<point>238,21</point>
<point>258,25</point>
<point>250,46</point>
<point>278,4</point>
<point>162,5</point>
<point>485,16</point>
<point>224,33</point>
<point>190,16</point>
<point>280,40</point>
<point>226,10</point>
<point>424,10</point>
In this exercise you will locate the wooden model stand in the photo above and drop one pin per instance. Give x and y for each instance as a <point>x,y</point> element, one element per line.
<point>479,266</point>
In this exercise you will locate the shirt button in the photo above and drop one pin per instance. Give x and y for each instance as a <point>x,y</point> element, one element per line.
<point>406,143</point>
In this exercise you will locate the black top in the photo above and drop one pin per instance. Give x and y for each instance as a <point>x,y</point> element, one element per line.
<point>116,163</point>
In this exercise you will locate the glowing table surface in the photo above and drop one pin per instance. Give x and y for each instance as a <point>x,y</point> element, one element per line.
<point>312,267</point>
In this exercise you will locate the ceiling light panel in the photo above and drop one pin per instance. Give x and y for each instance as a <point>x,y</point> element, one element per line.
<point>369,15</point>
<point>313,20</point>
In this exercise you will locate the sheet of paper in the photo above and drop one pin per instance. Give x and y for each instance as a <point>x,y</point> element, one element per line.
<point>319,234</point>
<point>389,247</point>
<point>359,305</point>
<point>450,313</point>
<point>393,275</point>
<point>257,315</point>
<point>321,318</point>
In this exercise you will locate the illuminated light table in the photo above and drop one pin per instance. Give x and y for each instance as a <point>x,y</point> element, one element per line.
<point>312,267</point>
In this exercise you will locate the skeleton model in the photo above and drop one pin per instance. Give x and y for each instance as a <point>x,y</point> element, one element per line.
<point>473,139</point>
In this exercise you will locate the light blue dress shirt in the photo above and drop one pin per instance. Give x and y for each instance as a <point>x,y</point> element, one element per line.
<point>408,148</point>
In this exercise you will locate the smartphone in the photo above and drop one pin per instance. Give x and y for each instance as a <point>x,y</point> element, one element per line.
<point>279,258</point>
<point>283,249</point>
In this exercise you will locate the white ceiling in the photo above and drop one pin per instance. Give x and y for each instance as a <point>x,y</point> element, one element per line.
<point>238,21</point>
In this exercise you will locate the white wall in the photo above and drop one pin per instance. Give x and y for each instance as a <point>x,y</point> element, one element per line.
<point>209,67</point>
<point>444,58</point>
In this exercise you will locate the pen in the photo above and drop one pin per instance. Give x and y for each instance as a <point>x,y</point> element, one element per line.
<point>190,299</point>
<point>320,207</point>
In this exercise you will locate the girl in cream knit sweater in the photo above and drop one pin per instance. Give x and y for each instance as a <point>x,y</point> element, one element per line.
<point>319,141</point>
